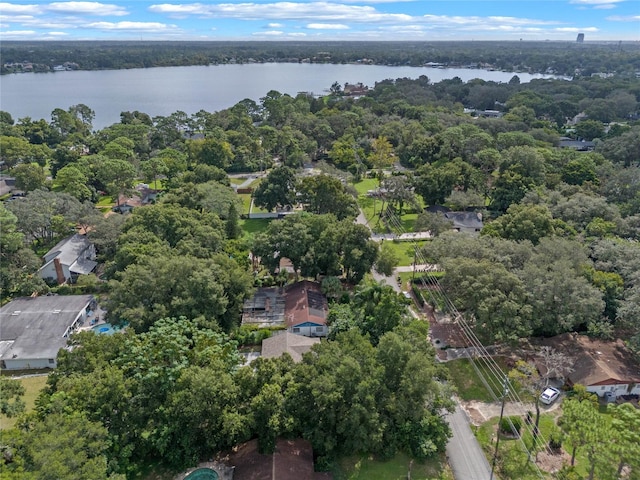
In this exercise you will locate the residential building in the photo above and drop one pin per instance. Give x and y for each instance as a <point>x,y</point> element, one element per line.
<point>34,329</point>
<point>71,257</point>
<point>603,367</point>
<point>285,342</point>
<point>301,308</point>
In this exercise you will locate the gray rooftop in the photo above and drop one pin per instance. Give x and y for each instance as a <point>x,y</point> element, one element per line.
<point>68,250</point>
<point>36,326</point>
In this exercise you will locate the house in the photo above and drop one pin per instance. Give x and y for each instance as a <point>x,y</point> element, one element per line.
<point>600,366</point>
<point>34,329</point>
<point>291,460</point>
<point>306,309</point>
<point>70,258</point>
<point>143,196</point>
<point>301,308</point>
<point>578,145</point>
<point>285,342</point>
<point>466,222</point>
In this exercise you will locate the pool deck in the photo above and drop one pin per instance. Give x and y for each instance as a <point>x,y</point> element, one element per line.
<point>224,472</point>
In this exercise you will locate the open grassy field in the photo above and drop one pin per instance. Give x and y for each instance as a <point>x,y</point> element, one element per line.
<point>251,226</point>
<point>466,379</point>
<point>398,468</point>
<point>405,251</point>
<point>32,386</point>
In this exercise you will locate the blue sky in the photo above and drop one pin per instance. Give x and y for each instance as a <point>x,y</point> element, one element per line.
<point>321,20</point>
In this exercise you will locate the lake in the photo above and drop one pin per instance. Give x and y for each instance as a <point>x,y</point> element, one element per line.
<point>165,90</point>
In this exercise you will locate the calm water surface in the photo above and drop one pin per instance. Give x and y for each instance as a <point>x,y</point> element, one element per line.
<point>162,91</point>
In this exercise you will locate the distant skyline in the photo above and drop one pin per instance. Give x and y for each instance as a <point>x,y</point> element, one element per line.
<point>297,20</point>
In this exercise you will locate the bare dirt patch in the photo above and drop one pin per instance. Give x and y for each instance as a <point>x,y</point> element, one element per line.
<point>552,463</point>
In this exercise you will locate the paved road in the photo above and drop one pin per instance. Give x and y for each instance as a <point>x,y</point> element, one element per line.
<point>463,451</point>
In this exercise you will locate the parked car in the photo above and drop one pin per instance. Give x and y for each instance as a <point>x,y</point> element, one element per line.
<point>549,395</point>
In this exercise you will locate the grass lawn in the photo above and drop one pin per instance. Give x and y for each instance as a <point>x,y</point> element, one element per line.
<point>405,251</point>
<point>237,181</point>
<point>105,201</point>
<point>467,381</point>
<point>363,186</point>
<point>32,386</point>
<point>512,458</point>
<point>251,226</point>
<point>368,468</point>
<point>246,202</point>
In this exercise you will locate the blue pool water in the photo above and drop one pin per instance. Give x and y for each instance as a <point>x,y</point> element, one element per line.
<point>202,474</point>
<point>104,329</point>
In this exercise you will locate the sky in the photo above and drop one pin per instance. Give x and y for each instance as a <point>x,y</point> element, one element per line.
<point>299,20</point>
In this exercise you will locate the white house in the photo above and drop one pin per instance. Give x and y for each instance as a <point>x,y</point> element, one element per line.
<point>71,257</point>
<point>603,367</point>
<point>34,329</point>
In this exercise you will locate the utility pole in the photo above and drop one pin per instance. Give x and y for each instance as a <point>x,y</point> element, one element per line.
<point>495,454</point>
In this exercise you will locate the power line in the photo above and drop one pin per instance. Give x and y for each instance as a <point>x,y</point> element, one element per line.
<point>497,383</point>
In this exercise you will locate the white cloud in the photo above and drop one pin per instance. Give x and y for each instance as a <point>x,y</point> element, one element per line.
<point>595,2</point>
<point>270,33</point>
<point>19,9</point>
<point>133,26</point>
<point>327,26</point>
<point>57,34</point>
<point>18,33</point>
<point>275,25</point>
<point>446,20</point>
<point>620,18</point>
<point>318,11</point>
<point>87,8</point>
<point>576,30</point>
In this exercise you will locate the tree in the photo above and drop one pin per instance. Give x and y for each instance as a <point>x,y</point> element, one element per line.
<point>117,176</point>
<point>153,168</point>
<point>43,215</point>
<point>231,225</point>
<point>288,238</point>
<point>522,222</point>
<point>590,129</point>
<point>495,297</point>
<point>74,182</point>
<point>277,190</point>
<point>13,150</point>
<point>431,222</point>
<point>359,252</point>
<point>11,391</point>
<point>381,155</point>
<point>29,176</point>
<point>326,194</point>
<point>209,291</point>
<point>625,429</point>
<point>65,446</point>
<point>586,428</point>
<point>387,260</point>
<point>398,192</point>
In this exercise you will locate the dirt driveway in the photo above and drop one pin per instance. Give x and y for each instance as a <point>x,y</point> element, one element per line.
<point>480,412</point>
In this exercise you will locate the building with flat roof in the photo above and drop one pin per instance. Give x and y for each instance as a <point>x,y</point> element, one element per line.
<point>34,329</point>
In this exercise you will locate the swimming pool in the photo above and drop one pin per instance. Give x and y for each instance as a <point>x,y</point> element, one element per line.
<point>104,329</point>
<point>202,474</point>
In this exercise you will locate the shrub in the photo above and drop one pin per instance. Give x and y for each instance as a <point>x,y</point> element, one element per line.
<point>555,440</point>
<point>505,425</point>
